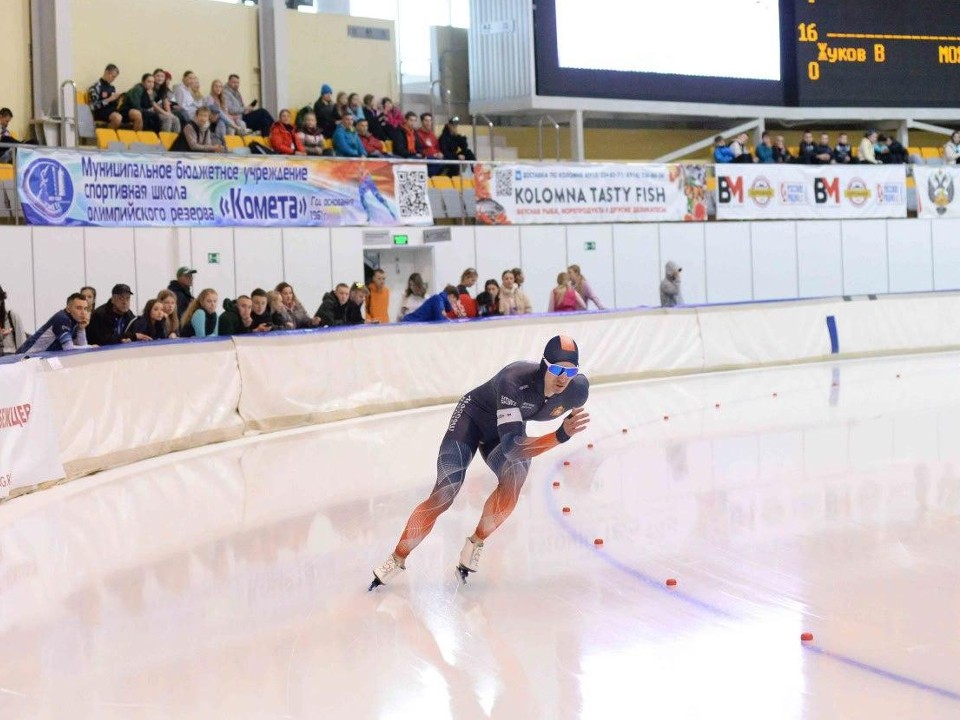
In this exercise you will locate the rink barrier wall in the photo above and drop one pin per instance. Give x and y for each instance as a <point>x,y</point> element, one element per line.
<point>121,405</point>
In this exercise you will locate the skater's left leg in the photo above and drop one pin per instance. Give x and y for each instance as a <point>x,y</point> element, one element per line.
<point>511,474</point>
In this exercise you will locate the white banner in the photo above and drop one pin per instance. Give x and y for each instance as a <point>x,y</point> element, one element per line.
<point>937,191</point>
<point>595,193</point>
<point>800,192</point>
<point>29,445</point>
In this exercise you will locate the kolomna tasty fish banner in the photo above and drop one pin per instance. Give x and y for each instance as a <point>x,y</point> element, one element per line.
<point>589,193</point>
<point>69,187</point>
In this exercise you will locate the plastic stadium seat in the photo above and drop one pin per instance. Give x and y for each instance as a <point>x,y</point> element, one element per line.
<point>116,146</point>
<point>436,203</point>
<point>930,153</point>
<point>328,144</point>
<point>6,172</point>
<point>915,151</point>
<point>234,142</point>
<point>127,136</point>
<point>148,137</point>
<point>388,145</point>
<point>249,139</point>
<point>168,138</point>
<point>794,150</point>
<point>442,182</point>
<point>452,201</point>
<point>105,136</point>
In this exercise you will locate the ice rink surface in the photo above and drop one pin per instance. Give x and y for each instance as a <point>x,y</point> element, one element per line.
<point>231,582</point>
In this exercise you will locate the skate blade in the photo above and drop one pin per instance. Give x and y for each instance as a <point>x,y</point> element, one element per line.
<point>377,582</point>
<point>462,573</point>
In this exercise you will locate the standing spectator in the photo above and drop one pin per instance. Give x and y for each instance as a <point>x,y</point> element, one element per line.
<point>406,142</point>
<point>280,319</point>
<point>310,136</point>
<point>217,102</point>
<point>284,138</point>
<point>721,153</point>
<point>781,154</point>
<point>355,107</point>
<point>378,301</point>
<point>807,153</point>
<point>374,118</point>
<point>824,153</point>
<point>12,334</point>
<point>843,153</point>
<point>468,278</point>
<point>358,297</point>
<point>413,296</point>
<point>197,136</point>
<point>738,149</point>
<point>90,295</point>
<point>488,302</point>
<point>337,308</point>
<point>765,149</point>
<point>436,307</point>
<point>326,111</point>
<point>256,119</point>
<point>454,146</point>
<point>390,116</point>
<point>259,312</point>
<point>168,301</point>
<point>951,151</point>
<point>513,301</point>
<point>564,297</point>
<point>200,320</point>
<point>294,308</point>
<point>670,295</point>
<point>66,330</point>
<point>866,153</point>
<point>237,318</point>
<point>104,102</point>
<point>109,321</point>
<point>142,97</point>
<point>151,325</point>
<point>346,142</point>
<point>182,287</point>
<point>430,143</point>
<point>582,287</point>
<point>372,146</point>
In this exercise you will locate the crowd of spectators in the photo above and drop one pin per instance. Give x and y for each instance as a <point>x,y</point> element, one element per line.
<point>874,149</point>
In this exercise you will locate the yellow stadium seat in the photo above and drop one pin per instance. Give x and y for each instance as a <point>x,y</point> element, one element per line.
<point>914,151</point>
<point>388,145</point>
<point>168,138</point>
<point>105,136</point>
<point>711,183</point>
<point>441,182</point>
<point>467,182</point>
<point>234,142</point>
<point>6,172</point>
<point>82,97</point>
<point>328,144</point>
<point>148,137</point>
<point>930,153</point>
<point>248,139</point>
<point>127,136</point>
<point>794,150</point>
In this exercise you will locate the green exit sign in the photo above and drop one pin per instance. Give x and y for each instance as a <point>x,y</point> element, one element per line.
<point>589,245</point>
<point>401,240</point>
<point>213,258</point>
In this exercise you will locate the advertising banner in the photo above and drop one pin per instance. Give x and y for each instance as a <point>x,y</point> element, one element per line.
<point>937,191</point>
<point>801,192</point>
<point>64,187</point>
<point>556,193</point>
<point>29,445</point>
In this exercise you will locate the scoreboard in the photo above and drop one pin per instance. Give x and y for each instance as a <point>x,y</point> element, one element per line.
<point>877,53</point>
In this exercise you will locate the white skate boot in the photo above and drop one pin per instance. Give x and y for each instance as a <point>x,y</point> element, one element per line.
<point>389,569</point>
<point>469,559</point>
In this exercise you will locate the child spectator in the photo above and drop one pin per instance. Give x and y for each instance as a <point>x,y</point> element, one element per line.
<point>200,320</point>
<point>564,297</point>
<point>109,321</point>
<point>66,330</point>
<point>312,140</point>
<point>151,325</point>
<point>390,116</point>
<point>582,287</point>
<point>781,154</point>
<point>765,149</point>
<point>104,101</point>
<point>168,300</point>
<point>294,308</point>
<point>341,107</point>
<point>280,319</point>
<point>378,301</point>
<point>738,148</point>
<point>513,301</point>
<point>12,334</point>
<point>488,302</point>
<point>356,107</point>
<point>721,153</point>
<point>346,142</point>
<point>807,152</point>
<point>436,307</point>
<point>413,296</point>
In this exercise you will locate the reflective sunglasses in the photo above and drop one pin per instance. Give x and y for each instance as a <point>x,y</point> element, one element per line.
<point>559,370</point>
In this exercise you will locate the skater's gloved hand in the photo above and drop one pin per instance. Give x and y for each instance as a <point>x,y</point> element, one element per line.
<point>575,422</point>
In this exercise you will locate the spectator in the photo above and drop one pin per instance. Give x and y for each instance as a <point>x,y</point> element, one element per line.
<point>168,301</point>
<point>237,317</point>
<point>66,330</point>
<point>518,278</point>
<point>341,107</point>
<point>188,97</point>
<point>200,320</point>
<point>721,153</point>
<point>582,287</point>
<point>259,313</point>
<point>670,295</point>
<point>413,296</point>
<point>90,295</point>
<point>378,301</point>
<point>430,143</point>
<point>893,152</point>
<point>294,308</point>
<point>337,308</point>
<point>256,119</point>
<point>951,151</point>
<point>104,102</point>
<point>346,142</point>
<point>143,97</point>
<point>513,301</point>
<point>488,302</point>
<point>390,117</point>
<point>109,321</point>
<point>197,136</point>
<point>454,146</point>
<point>310,136</point>
<point>781,154</point>
<point>435,307</point>
<point>182,287</point>
<point>372,146</point>
<point>564,297</point>
<point>284,138</point>
<point>406,142</point>
<point>355,107</point>
<point>164,93</point>
<point>217,102</point>
<point>280,319</point>
<point>824,153</point>
<point>468,278</point>
<point>373,117</point>
<point>151,325</point>
<point>358,296</point>
<point>6,135</point>
<point>326,111</point>
<point>807,150</point>
<point>738,148</point>
<point>765,149</point>
<point>843,153</point>
<point>12,333</point>
<point>866,153</point>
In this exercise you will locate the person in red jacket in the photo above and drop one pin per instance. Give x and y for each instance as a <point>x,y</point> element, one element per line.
<point>431,145</point>
<point>283,136</point>
<point>374,146</point>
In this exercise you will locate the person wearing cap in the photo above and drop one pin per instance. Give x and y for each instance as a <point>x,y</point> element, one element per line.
<point>670,295</point>
<point>454,146</point>
<point>326,111</point>
<point>108,324</point>
<point>492,418</point>
<point>181,287</point>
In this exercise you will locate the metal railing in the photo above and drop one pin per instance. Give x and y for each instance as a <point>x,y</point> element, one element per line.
<point>66,104</point>
<point>556,130</point>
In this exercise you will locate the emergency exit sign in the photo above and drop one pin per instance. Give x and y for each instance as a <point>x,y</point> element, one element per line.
<point>213,258</point>
<point>401,240</point>
<point>590,245</point>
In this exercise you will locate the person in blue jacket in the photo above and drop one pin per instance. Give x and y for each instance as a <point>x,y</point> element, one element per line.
<point>436,307</point>
<point>346,142</point>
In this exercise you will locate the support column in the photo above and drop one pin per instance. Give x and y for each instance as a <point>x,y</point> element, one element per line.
<point>577,151</point>
<point>272,26</point>
<point>51,31</point>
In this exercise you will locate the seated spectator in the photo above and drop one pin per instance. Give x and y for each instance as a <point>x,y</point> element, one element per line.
<point>781,154</point>
<point>143,97</point>
<point>824,153</point>
<point>284,138</point>
<point>293,307</point>
<point>413,296</point>
<point>372,146</point>
<point>104,102</point>
<point>564,297</point>
<point>109,321</point>
<point>66,330</point>
<point>513,301</point>
<point>738,148</point>
<point>188,97</point>
<point>12,334</point>
<point>150,325</point>
<point>237,317</point>
<point>312,140</point>
<point>582,287</point>
<point>182,287</point>
<point>468,278</point>
<point>358,296</point>
<point>259,312</point>
<point>340,105</point>
<point>165,99</point>
<point>337,309</point>
<point>90,295</point>
<point>951,151</point>
<point>721,153</point>
<point>866,153</point>
<point>842,153</point>
<point>168,301</point>
<point>6,136</point>
<point>378,298</point>
<point>373,116</point>
<point>346,142</point>
<point>808,149</point>
<point>765,148</point>
<point>326,111</point>
<point>356,107</point>
<point>217,102</point>
<point>280,319</point>
<point>406,143</point>
<point>391,117</point>
<point>893,152</point>
<point>436,307</point>
<point>469,306</point>
<point>670,295</point>
<point>430,143</point>
<point>200,320</point>
<point>256,119</point>
<point>197,136</point>
<point>454,146</point>
<point>488,302</point>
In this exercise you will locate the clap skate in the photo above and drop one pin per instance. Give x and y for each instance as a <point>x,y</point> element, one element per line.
<point>389,569</point>
<point>469,559</point>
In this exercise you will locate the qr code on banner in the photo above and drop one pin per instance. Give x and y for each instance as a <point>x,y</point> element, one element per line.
<point>412,193</point>
<point>503,182</point>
